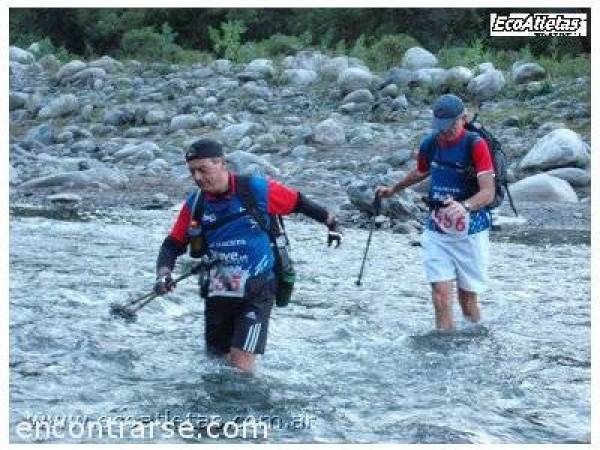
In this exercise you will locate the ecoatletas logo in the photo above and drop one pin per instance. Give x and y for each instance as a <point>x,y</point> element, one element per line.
<point>538,24</point>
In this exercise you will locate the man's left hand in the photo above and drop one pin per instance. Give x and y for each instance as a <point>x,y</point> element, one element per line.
<point>334,234</point>
<point>454,209</point>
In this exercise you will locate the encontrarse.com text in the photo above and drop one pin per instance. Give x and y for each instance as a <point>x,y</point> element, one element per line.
<point>192,426</point>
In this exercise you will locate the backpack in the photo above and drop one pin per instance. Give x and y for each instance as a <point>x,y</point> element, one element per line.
<point>284,268</point>
<point>477,130</point>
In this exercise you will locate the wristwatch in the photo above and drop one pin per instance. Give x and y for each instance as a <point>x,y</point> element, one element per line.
<point>467,206</point>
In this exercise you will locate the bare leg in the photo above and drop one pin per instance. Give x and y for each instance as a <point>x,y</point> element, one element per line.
<point>469,304</point>
<point>242,360</point>
<point>441,295</point>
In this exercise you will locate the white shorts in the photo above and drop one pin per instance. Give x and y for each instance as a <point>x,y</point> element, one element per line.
<point>465,260</point>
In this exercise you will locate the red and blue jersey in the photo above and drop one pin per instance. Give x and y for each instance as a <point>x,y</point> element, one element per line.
<point>449,165</point>
<point>238,240</point>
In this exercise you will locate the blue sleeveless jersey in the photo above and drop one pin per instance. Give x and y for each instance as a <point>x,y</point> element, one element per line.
<point>240,243</point>
<point>449,171</point>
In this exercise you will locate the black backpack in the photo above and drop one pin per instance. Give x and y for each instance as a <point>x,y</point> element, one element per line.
<point>476,129</point>
<point>280,244</point>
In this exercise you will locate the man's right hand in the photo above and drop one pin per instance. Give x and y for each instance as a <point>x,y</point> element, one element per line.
<point>384,191</point>
<point>164,284</point>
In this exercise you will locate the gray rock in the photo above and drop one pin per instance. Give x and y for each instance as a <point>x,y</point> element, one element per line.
<point>211,101</point>
<point>44,134</point>
<point>65,199</point>
<point>87,112</point>
<point>16,100</point>
<point>80,179</point>
<point>485,67</point>
<point>61,106</point>
<point>353,79</point>
<point>49,63</point>
<point>398,76</point>
<point>547,127</point>
<point>184,122</point>
<point>418,58</point>
<point>210,120</point>
<point>85,77</point>
<point>487,85</point>
<point>511,121</point>
<point>245,143</point>
<point>433,78</point>
<point>158,165</point>
<point>574,176</point>
<point>330,132</point>
<point>353,107</point>
<point>70,69</point>
<point>221,66</point>
<point>108,64</point>
<point>332,68</point>
<point>266,139</point>
<point>262,67</point>
<point>302,151</point>
<point>64,137</point>
<point>400,207</point>
<point>246,163</point>
<point>138,153</point>
<point>258,106</point>
<point>13,175</point>
<point>559,148</point>
<point>399,157</point>
<point>85,146</point>
<point>234,133</point>
<point>524,72</point>
<point>254,90</point>
<point>299,77</point>
<point>119,116</point>
<point>359,96</point>
<point>391,90</point>
<point>19,55</point>
<point>459,75</point>
<point>155,116</point>
<point>542,187</point>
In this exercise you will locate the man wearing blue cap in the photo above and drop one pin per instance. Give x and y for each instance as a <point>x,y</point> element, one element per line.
<point>456,238</point>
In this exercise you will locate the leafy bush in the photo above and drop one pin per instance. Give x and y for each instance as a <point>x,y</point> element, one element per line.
<point>281,44</point>
<point>387,52</point>
<point>228,40</point>
<point>46,47</point>
<point>147,45</point>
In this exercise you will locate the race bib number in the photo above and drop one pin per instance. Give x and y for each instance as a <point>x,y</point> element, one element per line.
<point>227,281</point>
<point>456,227</point>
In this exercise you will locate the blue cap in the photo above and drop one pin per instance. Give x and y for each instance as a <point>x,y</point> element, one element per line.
<point>446,110</point>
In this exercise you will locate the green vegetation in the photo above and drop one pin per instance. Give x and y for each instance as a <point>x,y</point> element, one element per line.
<point>378,36</point>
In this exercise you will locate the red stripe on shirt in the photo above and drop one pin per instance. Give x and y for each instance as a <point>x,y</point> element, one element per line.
<point>181,225</point>
<point>482,158</point>
<point>281,199</point>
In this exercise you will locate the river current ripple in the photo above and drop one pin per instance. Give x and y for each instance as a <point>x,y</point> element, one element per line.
<point>350,364</point>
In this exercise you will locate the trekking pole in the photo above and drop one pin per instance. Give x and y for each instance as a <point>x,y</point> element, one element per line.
<point>376,207</point>
<point>128,310</point>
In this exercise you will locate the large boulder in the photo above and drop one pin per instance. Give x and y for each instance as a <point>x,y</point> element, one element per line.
<point>138,153</point>
<point>61,106</point>
<point>184,122</point>
<point>330,132</point>
<point>246,163</point>
<point>221,66</point>
<point>86,77</point>
<point>359,96</point>
<point>524,72</point>
<point>418,58</point>
<point>433,78</point>
<point>108,64</point>
<point>232,134</point>
<point>353,79</point>
<point>262,67</point>
<point>70,69</point>
<point>80,179</point>
<point>401,207</point>
<point>299,77</point>
<point>559,148</point>
<point>44,134</point>
<point>399,77</point>
<point>19,55</point>
<point>542,188</point>
<point>332,68</point>
<point>17,100</point>
<point>459,75</point>
<point>487,85</point>
<point>574,176</point>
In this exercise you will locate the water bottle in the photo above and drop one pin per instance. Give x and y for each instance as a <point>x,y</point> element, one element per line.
<point>196,240</point>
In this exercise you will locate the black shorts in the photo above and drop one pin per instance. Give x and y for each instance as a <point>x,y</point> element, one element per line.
<point>241,323</point>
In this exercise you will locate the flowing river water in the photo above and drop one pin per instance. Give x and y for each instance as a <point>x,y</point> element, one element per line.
<point>343,363</point>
